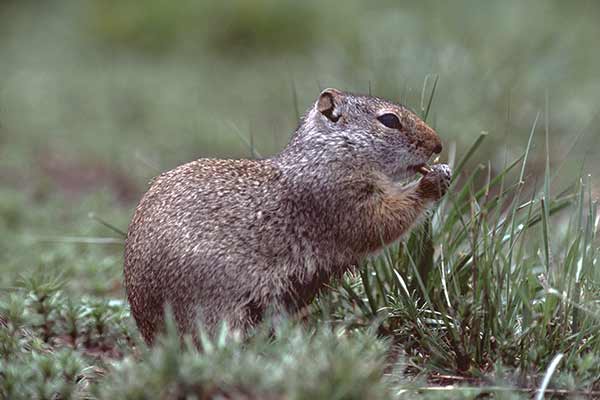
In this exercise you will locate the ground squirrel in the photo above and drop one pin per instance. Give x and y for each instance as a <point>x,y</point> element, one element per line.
<point>232,239</point>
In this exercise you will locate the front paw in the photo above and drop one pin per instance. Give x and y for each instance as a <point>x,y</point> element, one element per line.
<point>434,185</point>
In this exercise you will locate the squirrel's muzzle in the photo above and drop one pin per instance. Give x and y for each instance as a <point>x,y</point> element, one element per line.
<point>429,138</point>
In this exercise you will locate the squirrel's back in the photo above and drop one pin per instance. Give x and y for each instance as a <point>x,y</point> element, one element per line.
<point>197,213</point>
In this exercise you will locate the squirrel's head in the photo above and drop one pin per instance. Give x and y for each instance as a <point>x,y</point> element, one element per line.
<point>387,136</point>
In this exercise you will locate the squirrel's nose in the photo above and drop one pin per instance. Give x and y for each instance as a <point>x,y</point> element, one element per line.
<point>429,137</point>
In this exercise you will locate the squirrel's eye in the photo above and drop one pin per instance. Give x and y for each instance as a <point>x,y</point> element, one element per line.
<point>390,120</point>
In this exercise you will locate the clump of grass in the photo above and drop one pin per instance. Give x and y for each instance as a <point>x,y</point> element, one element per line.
<point>494,287</point>
<point>43,375</point>
<point>49,344</point>
<point>291,363</point>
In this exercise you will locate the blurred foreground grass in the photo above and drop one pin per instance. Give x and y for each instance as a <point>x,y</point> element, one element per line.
<point>96,97</point>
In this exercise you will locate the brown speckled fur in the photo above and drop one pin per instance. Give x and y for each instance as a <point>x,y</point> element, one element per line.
<point>232,239</point>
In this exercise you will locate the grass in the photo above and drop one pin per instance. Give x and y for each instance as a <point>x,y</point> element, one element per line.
<point>495,295</point>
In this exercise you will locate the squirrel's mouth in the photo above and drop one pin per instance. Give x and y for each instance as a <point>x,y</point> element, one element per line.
<point>423,169</point>
<point>409,173</point>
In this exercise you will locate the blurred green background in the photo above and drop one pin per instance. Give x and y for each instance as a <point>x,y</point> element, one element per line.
<point>98,96</point>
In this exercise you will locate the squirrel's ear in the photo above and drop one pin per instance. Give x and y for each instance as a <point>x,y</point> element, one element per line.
<point>329,104</point>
